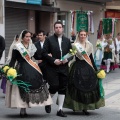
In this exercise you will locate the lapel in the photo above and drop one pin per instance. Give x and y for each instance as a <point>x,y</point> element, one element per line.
<point>39,45</point>
<point>57,43</point>
<point>63,44</point>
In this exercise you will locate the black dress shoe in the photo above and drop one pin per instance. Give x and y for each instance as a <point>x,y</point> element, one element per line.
<point>61,113</point>
<point>48,109</point>
<point>26,115</point>
<point>22,115</point>
<point>85,112</point>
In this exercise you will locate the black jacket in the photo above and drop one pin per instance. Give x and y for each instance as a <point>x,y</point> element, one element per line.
<point>38,54</point>
<point>51,45</point>
<point>2,45</point>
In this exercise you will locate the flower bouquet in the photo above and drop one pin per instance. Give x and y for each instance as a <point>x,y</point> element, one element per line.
<point>4,69</point>
<point>3,77</point>
<point>110,42</point>
<point>11,75</point>
<point>101,75</point>
<point>71,53</point>
<point>98,45</point>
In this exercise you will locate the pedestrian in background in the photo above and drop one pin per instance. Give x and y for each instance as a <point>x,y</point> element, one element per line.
<point>98,56</point>
<point>117,47</point>
<point>11,49</point>
<point>4,80</point>
<point>2,46</point>
<point>38,55</point>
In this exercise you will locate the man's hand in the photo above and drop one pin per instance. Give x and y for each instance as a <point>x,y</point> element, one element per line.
<point>57,62</point>
<point>50,55</point>
<point>64,61</point>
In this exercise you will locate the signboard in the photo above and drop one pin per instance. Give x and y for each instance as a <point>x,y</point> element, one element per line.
<point>21,1</point>
<point>38,2</point>
<point>107,26</point>
<point>112,14</point>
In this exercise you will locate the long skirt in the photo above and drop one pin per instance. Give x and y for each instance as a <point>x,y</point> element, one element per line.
<point>83,91</point>
<point>14,100</point>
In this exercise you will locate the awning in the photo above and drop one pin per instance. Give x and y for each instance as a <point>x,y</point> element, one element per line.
<point>31,6</point>
<point>98,2</point>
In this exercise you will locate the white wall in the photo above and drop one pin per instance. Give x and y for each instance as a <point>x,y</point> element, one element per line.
<point>31,21</point>
<point>97,14</point>
<point>2,26</point>
<point>115,5</point>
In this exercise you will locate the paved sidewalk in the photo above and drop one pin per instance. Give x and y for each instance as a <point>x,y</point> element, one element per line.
<point>110,112</point>
<point>112,89</point>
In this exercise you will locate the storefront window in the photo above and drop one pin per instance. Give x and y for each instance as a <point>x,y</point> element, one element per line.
<point>1,12</point>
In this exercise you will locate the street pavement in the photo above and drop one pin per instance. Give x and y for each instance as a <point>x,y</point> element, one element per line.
<point>110,112</point>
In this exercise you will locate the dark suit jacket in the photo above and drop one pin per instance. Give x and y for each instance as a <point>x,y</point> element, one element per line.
<point>2,45</point>
<point>38,54</point>
<point>51,45</point>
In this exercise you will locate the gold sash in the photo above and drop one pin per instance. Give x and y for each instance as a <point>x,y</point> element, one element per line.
<point>26,56</point>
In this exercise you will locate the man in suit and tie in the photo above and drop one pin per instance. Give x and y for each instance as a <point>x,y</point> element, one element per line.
<point>57,71</point>
<point>38,55</point>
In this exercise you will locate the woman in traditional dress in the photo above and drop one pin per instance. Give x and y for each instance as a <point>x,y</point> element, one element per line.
<point>38,94</point>
<point>117,48</point>
<point>99,52</point>
<point>108,54</point>
<point>11,49</point>
<point>83,91</point>
<point>3,83</point>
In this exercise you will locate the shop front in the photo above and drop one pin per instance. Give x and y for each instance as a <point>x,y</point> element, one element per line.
<point>32,15</point>
<point>114,14</point>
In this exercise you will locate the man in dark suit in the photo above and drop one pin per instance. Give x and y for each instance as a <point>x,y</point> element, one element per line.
<point>57,70</point>
<point>38,55</point>
<point>2,45</point>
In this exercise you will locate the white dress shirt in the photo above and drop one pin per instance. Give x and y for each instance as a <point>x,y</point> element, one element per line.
<point>117,44</point>
<point>59,41</point>
<point>41,43</point>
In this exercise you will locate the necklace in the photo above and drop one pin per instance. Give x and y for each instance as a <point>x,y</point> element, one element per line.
<point>26,46</point>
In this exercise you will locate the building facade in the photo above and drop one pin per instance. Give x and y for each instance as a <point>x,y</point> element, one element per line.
<point>20,15</point>
<point>113,11</point>
<point>65,16</point>
<point>2,26</point>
